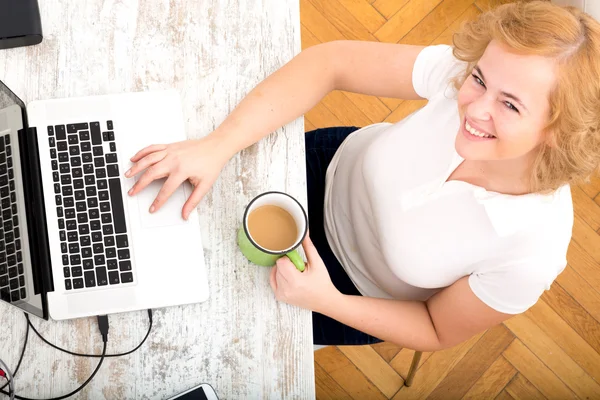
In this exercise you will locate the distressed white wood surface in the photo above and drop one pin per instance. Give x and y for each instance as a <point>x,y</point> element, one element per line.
<point>243,342</point>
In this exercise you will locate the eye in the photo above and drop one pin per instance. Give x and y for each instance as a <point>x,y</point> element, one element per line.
<point>478,80</point>
<point>511,106</point>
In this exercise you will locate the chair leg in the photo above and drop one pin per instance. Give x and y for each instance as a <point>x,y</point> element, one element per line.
<point>413,368</point>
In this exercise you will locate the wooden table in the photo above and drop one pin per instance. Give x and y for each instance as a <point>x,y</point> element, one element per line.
<point>242,341</point>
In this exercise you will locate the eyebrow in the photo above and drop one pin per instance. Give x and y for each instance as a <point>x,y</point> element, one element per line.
<point>505,94</point>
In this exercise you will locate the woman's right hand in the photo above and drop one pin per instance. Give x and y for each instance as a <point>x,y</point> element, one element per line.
<point>199,161</point>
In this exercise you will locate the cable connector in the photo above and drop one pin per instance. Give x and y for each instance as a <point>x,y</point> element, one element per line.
<point>103,325</point>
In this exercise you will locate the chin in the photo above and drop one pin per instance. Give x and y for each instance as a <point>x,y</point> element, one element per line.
<point>470,151</point>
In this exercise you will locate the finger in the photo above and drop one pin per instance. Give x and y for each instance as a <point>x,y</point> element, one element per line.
<point>147,150</point>
<point>285,267</point>
<point>169,187</point>
<point>145,162</point>
<point>272,279</point>
<point>310,250</point>
<point>195,198</point>
<point>279,278</point>
<point>156,171</point>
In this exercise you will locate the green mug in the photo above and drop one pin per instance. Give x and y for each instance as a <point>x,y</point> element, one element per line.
<point>265,257</point>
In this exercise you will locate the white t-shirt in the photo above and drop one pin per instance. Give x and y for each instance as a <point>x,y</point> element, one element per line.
<point>401,231</point>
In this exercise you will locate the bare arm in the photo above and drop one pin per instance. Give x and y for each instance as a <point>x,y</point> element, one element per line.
<point>378,69</point>
<point>448,318</point>
<point>362,67</point>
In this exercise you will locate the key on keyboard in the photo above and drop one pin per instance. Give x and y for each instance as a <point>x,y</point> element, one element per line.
<point>13,286</point>
<point>95,234</point>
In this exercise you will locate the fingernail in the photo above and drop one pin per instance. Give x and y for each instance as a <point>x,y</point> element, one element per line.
<point>152,208</point>
<point>130,191</point>
<point>128,172</point>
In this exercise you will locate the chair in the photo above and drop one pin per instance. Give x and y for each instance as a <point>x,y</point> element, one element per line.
<point>413,368</point>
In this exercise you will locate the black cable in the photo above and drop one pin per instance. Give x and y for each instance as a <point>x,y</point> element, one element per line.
<point>22,354</point>
<point>79,389</point>
<point>103,326</point>
<point>95,355</point>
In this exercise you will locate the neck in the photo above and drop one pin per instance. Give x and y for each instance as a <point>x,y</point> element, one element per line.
<point>508,176</point>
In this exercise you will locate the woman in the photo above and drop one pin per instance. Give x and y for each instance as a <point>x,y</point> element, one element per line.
<point>431,230</point>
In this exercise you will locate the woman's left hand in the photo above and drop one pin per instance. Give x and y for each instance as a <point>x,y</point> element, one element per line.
<point>311,289</point>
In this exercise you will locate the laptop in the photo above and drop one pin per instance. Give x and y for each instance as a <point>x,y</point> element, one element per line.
<point>73,243</point>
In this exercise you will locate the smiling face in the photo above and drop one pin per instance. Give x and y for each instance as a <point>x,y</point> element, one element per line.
<point>504,105</point>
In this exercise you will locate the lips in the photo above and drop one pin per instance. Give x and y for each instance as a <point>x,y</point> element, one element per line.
<point>475,132</point>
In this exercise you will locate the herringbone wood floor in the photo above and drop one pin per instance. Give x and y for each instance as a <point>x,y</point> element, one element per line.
<point>551,351</point>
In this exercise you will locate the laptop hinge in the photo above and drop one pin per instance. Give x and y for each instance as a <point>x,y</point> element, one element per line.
<point>35,210</point>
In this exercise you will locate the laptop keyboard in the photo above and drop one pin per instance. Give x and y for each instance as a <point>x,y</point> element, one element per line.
<point>12,274</point>
<point>89,204</point>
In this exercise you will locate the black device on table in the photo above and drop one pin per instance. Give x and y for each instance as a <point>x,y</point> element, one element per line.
<point>20,23</point>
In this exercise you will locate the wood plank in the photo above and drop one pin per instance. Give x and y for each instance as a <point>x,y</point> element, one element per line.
<point>436,22</point>
<point>371,106</point>
<point>566,337</point>
<point>473,364</point>
<point>555,358</point>
<point>435,369</point>
<point>575,315</point>
<point>401,363</point>
<point>356,384</point>
<point>308,39</point>
<point>492,382</point>
<point>521,389</point>
<point>331,359</point>
<point>405,20</point>
<point>504,396</point>
<point>365,13</point>
<point>391,103</point>
<point>317,24</point>
<point>586,295</point>
<point>388,8</point>
<point>485,5</point>
<point>543,379</point>
<point>345,110</point>
<point>406,108</point>
<point>585,207</point>
<point>343,20</point>
<point>445,37</point>
<point>308,126</point>
<point>592,188</point>
<point>386,350</point>
<point>327,388</point>
<point>584,264</point>
<point>321,117</point>
<point>587,238</point>
<point>375,368</point>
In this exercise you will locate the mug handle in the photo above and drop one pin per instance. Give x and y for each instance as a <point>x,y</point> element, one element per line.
<point>294,256</point>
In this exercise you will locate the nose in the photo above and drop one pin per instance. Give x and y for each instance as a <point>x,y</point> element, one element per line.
<point>480,108</point>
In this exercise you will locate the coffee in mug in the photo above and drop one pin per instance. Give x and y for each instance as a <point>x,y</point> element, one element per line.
<point>272,228</point>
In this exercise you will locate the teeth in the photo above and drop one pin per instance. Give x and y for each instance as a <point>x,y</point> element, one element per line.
<point>475,132</point>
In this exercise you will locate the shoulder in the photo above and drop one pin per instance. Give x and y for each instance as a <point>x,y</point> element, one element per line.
<point>434,70</point>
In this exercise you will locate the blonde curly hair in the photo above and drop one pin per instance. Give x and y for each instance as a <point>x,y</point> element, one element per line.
<point>572,152</point>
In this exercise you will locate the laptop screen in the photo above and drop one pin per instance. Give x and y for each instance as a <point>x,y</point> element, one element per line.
<point>19,283</point>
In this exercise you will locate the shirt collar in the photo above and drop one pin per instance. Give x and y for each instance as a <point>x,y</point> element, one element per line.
<point>510,213</point>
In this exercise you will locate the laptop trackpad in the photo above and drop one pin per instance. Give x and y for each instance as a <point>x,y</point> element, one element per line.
<point>169,214</point>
